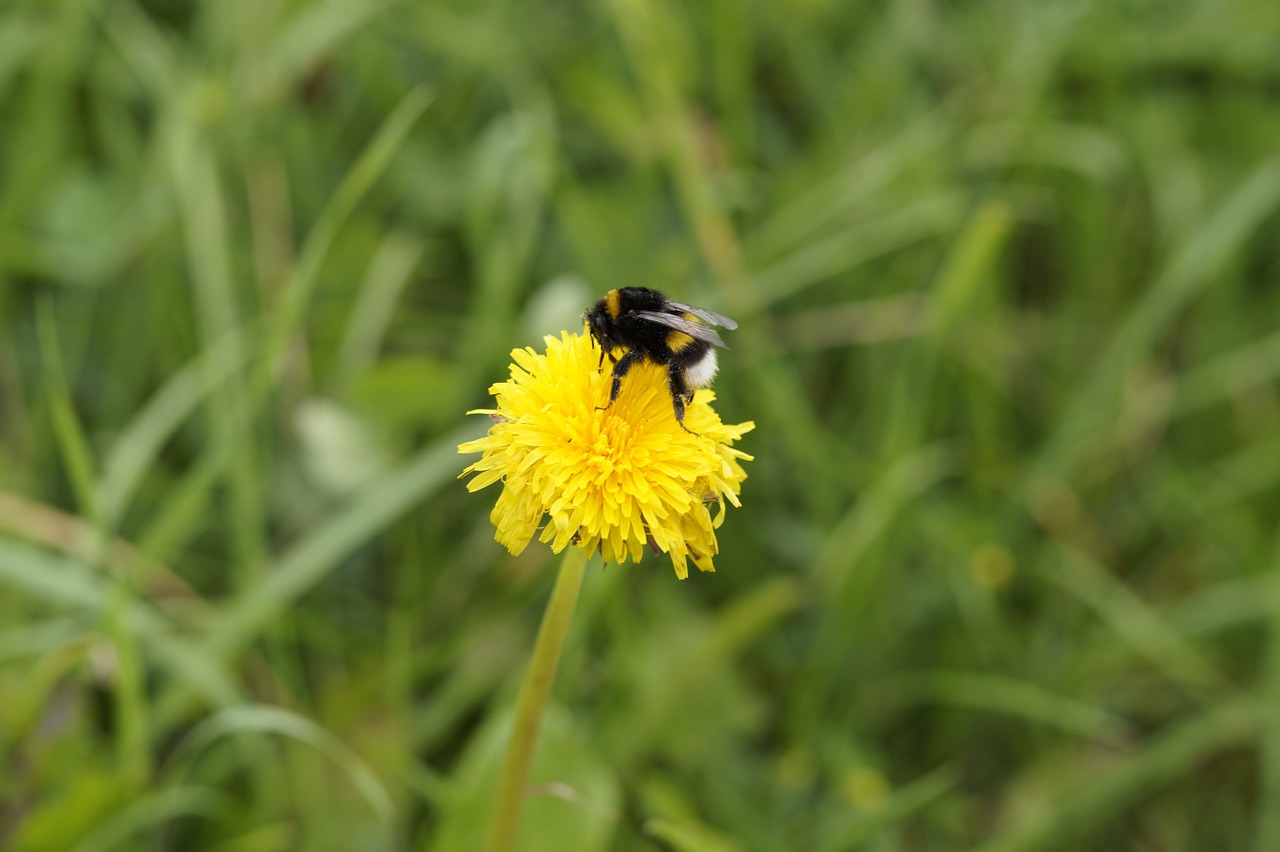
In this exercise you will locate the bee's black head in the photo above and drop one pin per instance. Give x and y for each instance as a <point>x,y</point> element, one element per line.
<point>597,319</point>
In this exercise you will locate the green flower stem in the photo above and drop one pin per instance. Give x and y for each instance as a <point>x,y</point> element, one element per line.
<point>533,698</point>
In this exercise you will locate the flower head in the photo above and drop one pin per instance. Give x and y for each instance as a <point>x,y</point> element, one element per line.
<point>612,479</point>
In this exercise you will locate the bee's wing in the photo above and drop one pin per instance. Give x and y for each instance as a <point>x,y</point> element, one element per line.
<point>703,314</point>
<point>696,330</point>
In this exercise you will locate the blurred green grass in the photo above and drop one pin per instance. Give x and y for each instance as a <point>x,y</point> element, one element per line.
<point>1005,574</point>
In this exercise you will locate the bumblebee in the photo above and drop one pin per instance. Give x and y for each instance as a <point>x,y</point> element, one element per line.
<point>651,327</point>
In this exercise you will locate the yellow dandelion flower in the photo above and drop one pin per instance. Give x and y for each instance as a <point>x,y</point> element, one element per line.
<point>612,479</point>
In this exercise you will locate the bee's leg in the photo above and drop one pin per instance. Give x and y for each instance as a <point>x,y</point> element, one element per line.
<point>681,394</point>
<point>621,367</point>
<point>604,350</point>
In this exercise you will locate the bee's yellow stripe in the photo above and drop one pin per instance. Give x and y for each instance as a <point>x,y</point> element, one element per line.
<point>678,340</point>
<point>613,303</point>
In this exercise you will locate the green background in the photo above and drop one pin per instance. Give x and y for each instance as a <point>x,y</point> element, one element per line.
<point>1005,576</point>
